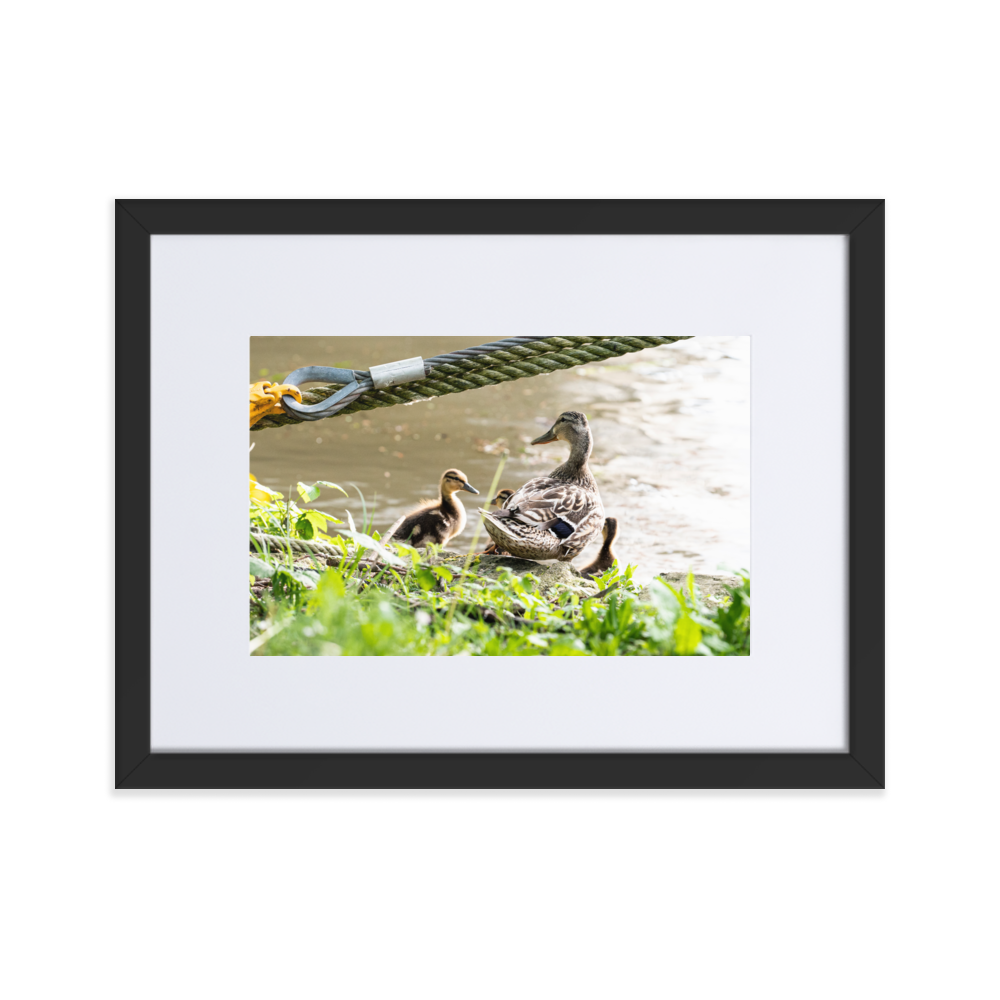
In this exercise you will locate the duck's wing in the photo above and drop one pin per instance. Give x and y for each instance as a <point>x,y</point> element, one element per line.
<point>556,506</point>
<point>586,528</point>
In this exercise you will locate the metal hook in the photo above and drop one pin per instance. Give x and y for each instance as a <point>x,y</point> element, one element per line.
<point>317,373</point>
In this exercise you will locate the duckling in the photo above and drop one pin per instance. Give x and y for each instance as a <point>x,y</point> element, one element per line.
<point>438,520</point>
<point>605,558</point>
<point>500,499</point>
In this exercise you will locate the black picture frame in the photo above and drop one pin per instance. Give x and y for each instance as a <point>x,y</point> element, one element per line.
<point>862,221</point>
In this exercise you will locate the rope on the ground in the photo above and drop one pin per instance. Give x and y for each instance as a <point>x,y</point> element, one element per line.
<point>275,543</point>
<point>475,367</point>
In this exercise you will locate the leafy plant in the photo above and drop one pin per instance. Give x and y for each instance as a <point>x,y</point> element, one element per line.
<point>272,515</point>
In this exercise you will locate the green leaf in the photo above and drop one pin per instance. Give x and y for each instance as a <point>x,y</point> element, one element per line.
<point>665,600</point>
<point>320,520</point>
<point>367,542</point>
<point>308,493</point>
<point>317,520</point>
<point>443,573</point>
<point>679,594</point>
<point>687,636</point>
<point>286,585</point>
<point>332,486</point>
<point>260,568</point>
<point>331,582</point>
<point>715,644</point>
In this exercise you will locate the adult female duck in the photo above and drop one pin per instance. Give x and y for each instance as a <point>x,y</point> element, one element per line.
<point>554,516</point>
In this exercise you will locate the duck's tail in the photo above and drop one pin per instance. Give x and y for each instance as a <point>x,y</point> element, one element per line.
<point>497,527</point>
<point>526,542</point>
<point>494,524</point>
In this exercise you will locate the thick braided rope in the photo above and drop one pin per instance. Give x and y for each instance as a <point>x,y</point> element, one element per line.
<point>278,544</point>
<point>459,374</point>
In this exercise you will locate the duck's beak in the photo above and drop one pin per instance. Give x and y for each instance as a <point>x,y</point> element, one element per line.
<point>471,489</point>
<point>549,435</point>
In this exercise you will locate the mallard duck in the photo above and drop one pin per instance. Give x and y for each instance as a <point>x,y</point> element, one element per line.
<point>499,500</point>
<point>553,516</point>
<point>605,558</point>
<point>438,520</point>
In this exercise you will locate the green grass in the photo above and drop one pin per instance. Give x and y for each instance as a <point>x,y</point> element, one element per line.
<point>370,609</point>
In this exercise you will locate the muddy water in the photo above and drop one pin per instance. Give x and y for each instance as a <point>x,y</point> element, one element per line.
<point>671,428</point>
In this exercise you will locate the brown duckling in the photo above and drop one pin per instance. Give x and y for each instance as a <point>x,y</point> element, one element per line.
<point>500,499</point>
<point>605,558</point>
<point>438,520</point>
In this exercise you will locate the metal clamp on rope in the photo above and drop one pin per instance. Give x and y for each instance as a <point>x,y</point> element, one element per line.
<point>317,373</point>
<point>397,372</point>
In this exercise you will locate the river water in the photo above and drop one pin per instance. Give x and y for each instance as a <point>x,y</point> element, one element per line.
<point>671,442</point>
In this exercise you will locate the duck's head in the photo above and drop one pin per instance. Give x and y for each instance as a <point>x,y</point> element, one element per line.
<point>569,426</point>
<point>502,497</point>
<point>453,480</point>
<point>609,531</point>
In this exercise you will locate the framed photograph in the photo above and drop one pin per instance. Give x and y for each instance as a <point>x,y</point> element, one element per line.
<point>513,468</point>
